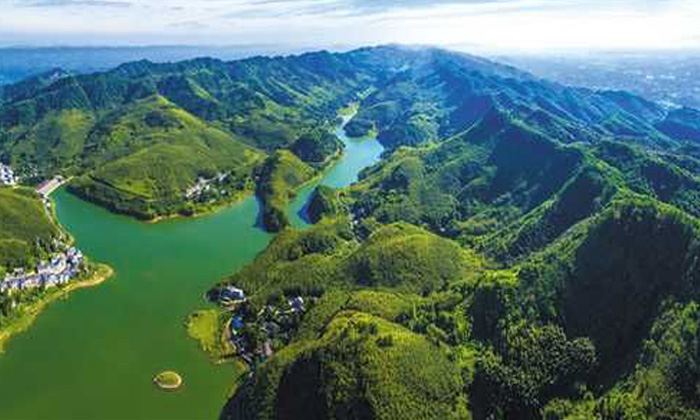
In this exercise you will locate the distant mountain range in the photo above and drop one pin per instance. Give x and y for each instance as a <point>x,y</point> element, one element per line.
<point>17,63</point>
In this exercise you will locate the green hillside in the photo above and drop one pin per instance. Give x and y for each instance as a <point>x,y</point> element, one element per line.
<point>148,157</point>
<point>574,328</point>
<point>361,366</point>
<point>26,232</point>
<point>278,179</point>
<point>399,257</point>
<point>317,147</point>
<point>142,134</point>
<point>325,202</point>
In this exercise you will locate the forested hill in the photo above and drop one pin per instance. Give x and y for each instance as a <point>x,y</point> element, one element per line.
<point>443,93</point>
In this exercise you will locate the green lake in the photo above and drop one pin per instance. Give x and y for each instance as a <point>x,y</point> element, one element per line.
<point>93,355</point>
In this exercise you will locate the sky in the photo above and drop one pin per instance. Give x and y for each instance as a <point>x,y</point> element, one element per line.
<point>478,25</point>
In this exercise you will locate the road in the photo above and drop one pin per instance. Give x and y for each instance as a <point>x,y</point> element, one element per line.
<point>50,186</point>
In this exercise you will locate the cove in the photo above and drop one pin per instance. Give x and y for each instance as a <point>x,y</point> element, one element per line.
<point>93,355</point>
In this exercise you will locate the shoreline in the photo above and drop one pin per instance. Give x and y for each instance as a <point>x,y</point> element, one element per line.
<point>201,211</point>
<point>101,273</point>
<point>162,380</point>
<point>346,113</point>
<point>209,210</point>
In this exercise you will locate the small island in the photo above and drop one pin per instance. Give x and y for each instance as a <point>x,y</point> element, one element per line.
<point>168,380</point>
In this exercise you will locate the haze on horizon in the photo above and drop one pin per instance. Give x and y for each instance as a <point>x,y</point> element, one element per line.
<point>478,25</point>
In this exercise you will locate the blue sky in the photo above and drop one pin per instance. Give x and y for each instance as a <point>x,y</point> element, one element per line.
<point>492,25</point>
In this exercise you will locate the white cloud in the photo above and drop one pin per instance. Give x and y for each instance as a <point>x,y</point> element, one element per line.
<point>487,24</point>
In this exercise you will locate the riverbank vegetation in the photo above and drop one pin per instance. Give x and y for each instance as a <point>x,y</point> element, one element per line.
<point>206,327</point>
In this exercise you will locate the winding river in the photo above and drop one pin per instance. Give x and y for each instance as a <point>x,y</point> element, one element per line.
<point>94,354</point>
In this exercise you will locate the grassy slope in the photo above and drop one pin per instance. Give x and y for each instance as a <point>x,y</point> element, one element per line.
<point>23,222</point>
<point>57,140</point>
<point>159,151</point>
<point>378,280</point>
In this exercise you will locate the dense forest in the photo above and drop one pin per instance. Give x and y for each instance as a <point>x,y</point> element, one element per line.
<point>520,255</point>
<point>524,250</point>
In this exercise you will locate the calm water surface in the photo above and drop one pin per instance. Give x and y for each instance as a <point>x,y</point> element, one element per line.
<point>93,355</point>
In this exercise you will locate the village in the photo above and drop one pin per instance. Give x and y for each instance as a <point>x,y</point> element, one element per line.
<point>61,269</point>
<point>204,185</point>
<point>7,175</point>
<point>256,335</point>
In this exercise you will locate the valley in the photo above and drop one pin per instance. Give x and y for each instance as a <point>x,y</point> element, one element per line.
<point>131,328</point>
<point>464,241</point>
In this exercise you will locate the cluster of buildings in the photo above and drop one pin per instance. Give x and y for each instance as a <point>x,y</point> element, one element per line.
<point>273,325</point>
<point>204,185</point>
<point>7,175</point>
<point>63,267</point>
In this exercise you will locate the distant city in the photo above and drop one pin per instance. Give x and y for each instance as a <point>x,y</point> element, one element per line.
<point>671,79</point>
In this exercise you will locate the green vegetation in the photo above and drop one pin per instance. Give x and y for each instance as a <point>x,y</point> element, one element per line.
<point>146,139</point>
<point>524,250</point>
<point>205,326</point>
<point>170,153</point>
<point>360,367</point>
<point>279,178</point>
<point>141,135</point>
<point>544,249</point>
<point>27,233</point>
<point>359,127</point>
<point>325,202</point>
<point>317,147</point>
<point>398,257</point>
<point>168,380</point>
